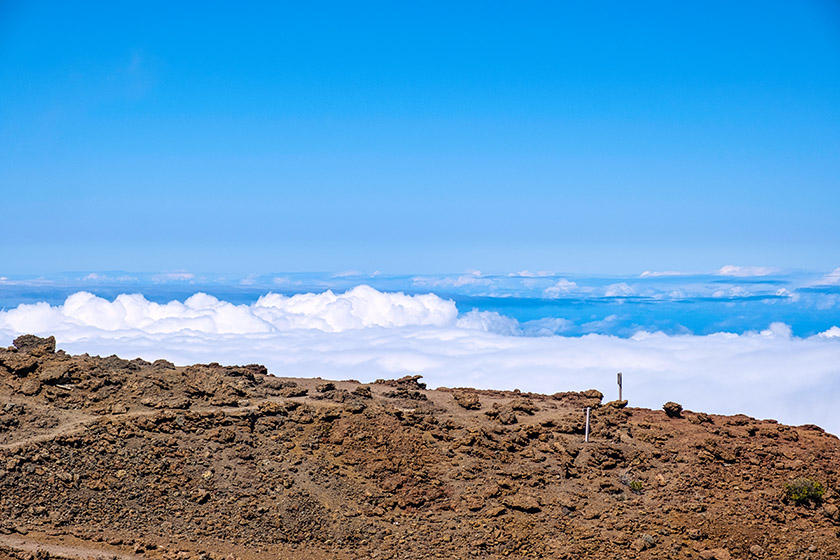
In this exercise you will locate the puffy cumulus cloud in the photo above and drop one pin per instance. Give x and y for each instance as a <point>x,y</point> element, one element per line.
<point>777,330</point>
<point>745,271</point>
<point>358,308</point>
<point>561,288</point>
<point>83,311</point>
<point>622,289</point>
<point>365,334</point>
<point>489,321</point>
<point>833,332</point>
<point>361,307</point>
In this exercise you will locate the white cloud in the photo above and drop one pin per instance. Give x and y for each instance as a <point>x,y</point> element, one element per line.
<point>347,274</point>
<point>833,332</point>
<point>472,278</point>
<point>529,274</point>
<point>489,321</point>
<point>745,271</point>
<point>777,330</point>
<point>358,308</point>
<point>832,278</point>
<point>652,274</point>
<point>249,280</point>
<point>366,334</point>
<point>98,277</point>
<point>40,281</point>
<point>561,288</point>
<point>361,307</point>
<point>622,289</point>
<point>732,291</point>
<point>601,325</point>
<point>547,326</point>
<point>174,277</point>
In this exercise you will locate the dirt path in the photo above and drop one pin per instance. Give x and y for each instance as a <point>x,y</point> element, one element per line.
<point>63,429</point>
<point>63,550</point>
<point>82,422</point>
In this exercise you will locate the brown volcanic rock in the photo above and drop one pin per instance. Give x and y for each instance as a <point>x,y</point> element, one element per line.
<point>35,345</point>
<point>133,459</point>
<point>672,409</point>
<point>466,399</point>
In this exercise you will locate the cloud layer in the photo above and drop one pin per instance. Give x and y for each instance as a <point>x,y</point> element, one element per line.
<point>361,307</point>
<point>365,334</point>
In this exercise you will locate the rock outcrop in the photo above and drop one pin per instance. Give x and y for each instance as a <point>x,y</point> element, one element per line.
<point>127,458</point>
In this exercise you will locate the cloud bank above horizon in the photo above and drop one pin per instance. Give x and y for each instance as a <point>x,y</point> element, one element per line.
<point>366,334</point>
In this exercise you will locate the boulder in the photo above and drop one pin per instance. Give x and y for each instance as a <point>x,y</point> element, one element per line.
<point>672,409</point>
<point>467,400</point>
<point>522,502</point>
<point>31,344</point>
<point>54,373</point>
<point>523,405</point>
<point>701,418</point>
<point>363,392</point>
<point>30,387</point>
<point>594,394</point>
<point>507,417</point>
<point>18,364</point>
<point>640,544</point>
<point>409,382</point>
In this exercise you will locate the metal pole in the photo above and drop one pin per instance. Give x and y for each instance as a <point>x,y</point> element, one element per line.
<point>586,436</point>
<point>619,385</point>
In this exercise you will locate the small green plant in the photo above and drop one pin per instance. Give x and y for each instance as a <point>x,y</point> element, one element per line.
<point>636,486</point>
<point>804,490</point>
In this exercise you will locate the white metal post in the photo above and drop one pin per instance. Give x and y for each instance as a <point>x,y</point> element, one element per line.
<point>586,435</point>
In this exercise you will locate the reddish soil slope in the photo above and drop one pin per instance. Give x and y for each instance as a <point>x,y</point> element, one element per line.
<point>105,457</point>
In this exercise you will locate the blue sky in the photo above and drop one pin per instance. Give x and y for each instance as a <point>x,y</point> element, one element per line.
<point>566,136</point>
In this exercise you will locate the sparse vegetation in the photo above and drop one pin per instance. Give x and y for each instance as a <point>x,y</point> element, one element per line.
<point>803,491</point>
<point>634,485</point>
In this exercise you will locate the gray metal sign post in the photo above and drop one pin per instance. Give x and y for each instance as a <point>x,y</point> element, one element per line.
<point>619,385</point>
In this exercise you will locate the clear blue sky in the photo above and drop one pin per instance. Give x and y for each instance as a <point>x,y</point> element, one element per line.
<point>419,137</point>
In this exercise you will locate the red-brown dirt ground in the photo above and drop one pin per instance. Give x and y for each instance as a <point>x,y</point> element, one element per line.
<point>113,458</point>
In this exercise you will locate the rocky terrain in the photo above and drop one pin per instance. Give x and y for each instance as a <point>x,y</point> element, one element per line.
<point>113,458</point>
